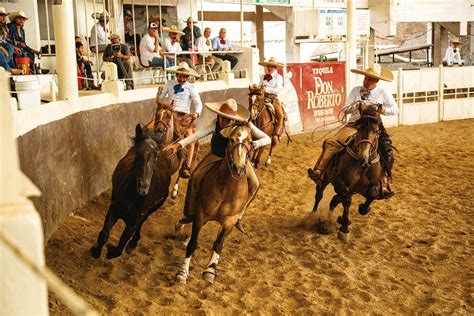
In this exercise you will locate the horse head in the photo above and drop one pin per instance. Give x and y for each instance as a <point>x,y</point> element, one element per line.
<point>146,156</point>
<point>238,149</point>
<point>367,132</point>
<point>164,126</point>
<point>255,101</point>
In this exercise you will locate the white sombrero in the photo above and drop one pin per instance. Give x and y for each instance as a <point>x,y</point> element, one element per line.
<point>271,62</point>
<point>3,11</point>
<point>455,40</point>
<point>230,109</point>
<point>172,29</point>
<point>183,68</point>
<point>12,16</point>
<point>376,72</point>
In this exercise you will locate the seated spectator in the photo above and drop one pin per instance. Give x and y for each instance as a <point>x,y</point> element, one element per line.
<point>186,39</point>
<point>221,43</point>
<point>119,54</point>
<point>6,47</point>
<point>171,45</point>
<point>204,44</point>
<point>155,19</point>
<point>84,69</point>
<point>151,53</point>
<point>128,28</point>
<point>99,29</point>
<point>16,33</point>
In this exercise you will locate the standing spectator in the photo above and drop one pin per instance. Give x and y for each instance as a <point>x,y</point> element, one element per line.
<point>204,44</point>
<point>171,45</point>
<point>119,54</point>
<point>84,68</point>
<point>221,43</point>
<point>6,47</point>
<point>100,28</point>
<point>16,34</point>
<point>453,54</point>
<point>128,27</point>
<point>186,39</point>
<point>151,53</point>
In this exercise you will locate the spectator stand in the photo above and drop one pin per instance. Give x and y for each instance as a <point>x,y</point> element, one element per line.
<point>397,52</point>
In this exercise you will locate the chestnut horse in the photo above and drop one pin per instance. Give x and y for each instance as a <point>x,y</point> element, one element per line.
<point>356,169</point>
<point>140,184</point>
<point>222,196</point>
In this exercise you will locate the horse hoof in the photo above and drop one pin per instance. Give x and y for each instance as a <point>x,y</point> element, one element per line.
<point>112,252</point>
<point>268,162</point>
<point>130,249</point>
<point>95,251</point>
<point>181,277</point>
<point>208,277</point>
<point>343,237</point>
<point>256,165</point>
<point>363,210</point>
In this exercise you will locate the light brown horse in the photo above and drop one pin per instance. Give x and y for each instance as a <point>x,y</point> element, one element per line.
<point>261,117</point>
<point>356,169</point>
<point>221,198</point>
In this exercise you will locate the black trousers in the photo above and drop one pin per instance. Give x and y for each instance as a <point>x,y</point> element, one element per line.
<point>232,59</point>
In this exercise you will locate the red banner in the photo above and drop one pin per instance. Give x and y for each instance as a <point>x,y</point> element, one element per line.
<point>321,91</point>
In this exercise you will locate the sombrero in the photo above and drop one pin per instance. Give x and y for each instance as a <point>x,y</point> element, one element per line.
<point>100,16</point>
<point>376,72</point>
<point>172,29</point>
<point>3,11</point>
<point>183,68</point>
<point>190,19</point>
<point>229,109</point>
<point>271,62</point>
<point>12,16</point>
<point>455,40</point>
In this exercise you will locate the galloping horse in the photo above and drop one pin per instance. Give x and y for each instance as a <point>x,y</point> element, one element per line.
<point>262,117</point>
<point>222,196</point>
<point>356,169</point>
<point>140,184</point>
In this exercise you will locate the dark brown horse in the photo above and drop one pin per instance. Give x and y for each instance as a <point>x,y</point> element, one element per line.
<point>140,184</point>
<point>356,169</point>
<point>222,195</point>
<point>261,117</point>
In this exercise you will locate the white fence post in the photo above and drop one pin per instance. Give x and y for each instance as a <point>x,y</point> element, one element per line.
<point>400,96</point>
<point>441,93</point>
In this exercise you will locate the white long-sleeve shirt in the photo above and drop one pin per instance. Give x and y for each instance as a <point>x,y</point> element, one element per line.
<point>274,86</point>
<point>182,100</point>
<point>377,95</point>
<point>452,57</point>
<point>259,138</point>
<point>101,35</point>
<point>171,48</point>
<point>204,45</point>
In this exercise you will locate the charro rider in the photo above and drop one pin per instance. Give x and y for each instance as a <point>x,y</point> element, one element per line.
<point>371,93</point>
<point>182,93</point>
<point>272,83</point>
<point>229,113</point>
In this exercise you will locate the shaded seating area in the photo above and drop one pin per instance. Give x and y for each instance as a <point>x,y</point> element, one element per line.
<point>411,49</point>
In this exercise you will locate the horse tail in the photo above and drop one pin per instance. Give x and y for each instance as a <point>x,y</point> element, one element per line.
<point>386,150</point>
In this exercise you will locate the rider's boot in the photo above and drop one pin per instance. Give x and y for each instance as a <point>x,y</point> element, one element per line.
<point>386,191</point>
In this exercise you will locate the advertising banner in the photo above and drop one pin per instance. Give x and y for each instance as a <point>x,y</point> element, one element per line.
<point>321,91</point>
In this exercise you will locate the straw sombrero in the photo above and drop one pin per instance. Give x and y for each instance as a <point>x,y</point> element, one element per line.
<point>183,68</point>
<point>271,62</point>
<point>455,40</point>
<point>376,72</point>
<point>12,16</point>
<point>3,11</point>
<point>229,109</point>
<point>172,29</point>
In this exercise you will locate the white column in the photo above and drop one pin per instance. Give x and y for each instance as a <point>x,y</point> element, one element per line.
<point>21,291</point>
<point>63,16</point>
<point>351,45</point>
<point>441,93</point>
<point>241,23</point>
<point>400,96</point>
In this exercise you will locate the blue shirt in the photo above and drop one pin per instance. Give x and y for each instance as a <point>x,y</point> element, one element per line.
<point>15,37</point>
<point>217,45</point>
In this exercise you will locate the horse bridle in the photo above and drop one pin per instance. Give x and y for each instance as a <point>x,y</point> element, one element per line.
<point>260,109</point>
<point>374,144</point>
<point>230,158</point>
<point>166,126</point>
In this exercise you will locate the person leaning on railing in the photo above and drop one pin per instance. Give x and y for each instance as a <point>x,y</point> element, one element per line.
<point>6,47</point>
<point>221,43</point>
<point>119,54</point>
<point>204,44</point>
<point>171,45</point>
<point>151,53</point>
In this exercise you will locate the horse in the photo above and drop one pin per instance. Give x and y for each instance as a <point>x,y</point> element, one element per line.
<point>356,169</point>
<point>262,117</point>
<point>140,184</point>
<point>222,196</point>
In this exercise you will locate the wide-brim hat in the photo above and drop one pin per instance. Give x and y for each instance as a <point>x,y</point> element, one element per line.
<point>100,16</point>
<point>230,109</point>
<point>271,62</point>
<point>184,69</point>
<point>3,11</point>
<point>190,19</point>
<point>12,16</point>
<point>455,40</point>
<point>376,72</point>
<point>173,29</point>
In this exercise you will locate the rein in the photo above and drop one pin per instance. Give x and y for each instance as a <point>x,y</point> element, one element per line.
<point>261,108</point>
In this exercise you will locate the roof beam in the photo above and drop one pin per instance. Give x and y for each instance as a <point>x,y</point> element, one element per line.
<point>235,16</point>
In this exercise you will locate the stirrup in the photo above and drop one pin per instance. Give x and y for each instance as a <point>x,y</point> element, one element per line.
<point>386,194</point>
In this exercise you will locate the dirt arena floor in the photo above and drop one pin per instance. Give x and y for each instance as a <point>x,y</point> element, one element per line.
<point>410,254</point>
